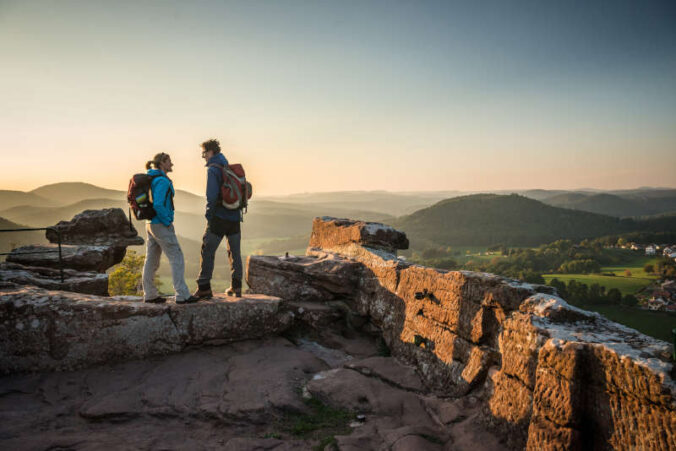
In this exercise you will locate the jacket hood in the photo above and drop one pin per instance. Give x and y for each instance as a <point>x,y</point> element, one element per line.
<point>156,172</point>
<point>219,158</point>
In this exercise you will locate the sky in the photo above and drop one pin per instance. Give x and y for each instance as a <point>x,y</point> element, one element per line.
<point>341,95</point>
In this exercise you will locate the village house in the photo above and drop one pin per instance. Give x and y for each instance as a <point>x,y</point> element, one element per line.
<point>650,250</point>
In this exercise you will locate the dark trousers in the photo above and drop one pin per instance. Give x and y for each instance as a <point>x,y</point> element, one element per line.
<point>216,229</point>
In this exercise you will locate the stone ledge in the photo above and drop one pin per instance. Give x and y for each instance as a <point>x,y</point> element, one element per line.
<point>56,330</point>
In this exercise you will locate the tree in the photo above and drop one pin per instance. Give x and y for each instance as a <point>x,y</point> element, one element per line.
<point>597,294</point>
<point>649,269</point>
<point>585,266</point>
<point>560,287</point>
<point>531,277</point>
<point>614,296</point>
<point>126,277</point>
<point>629,300</point>
<point>627,273</point>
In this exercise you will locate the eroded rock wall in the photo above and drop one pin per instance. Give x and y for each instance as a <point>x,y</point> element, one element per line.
<point>555,377</point>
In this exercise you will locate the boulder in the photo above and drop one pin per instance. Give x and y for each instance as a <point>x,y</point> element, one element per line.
<point>58,330</point>
<point>106,227</point>
<point>302,278</point>
<point>77,257</point>
<point>328,232</point>
<point>50,278</point>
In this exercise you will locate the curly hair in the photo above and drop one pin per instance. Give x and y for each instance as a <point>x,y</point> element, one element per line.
<point>212,145</point>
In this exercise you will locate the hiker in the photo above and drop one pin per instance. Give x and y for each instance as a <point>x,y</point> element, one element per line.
<point>161,235</point>
<point>220,222</point>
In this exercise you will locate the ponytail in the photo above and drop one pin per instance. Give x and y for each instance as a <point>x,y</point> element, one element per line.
<point>157,159</point>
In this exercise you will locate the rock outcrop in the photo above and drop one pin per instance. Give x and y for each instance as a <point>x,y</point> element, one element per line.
<point>106,227</point>
<point>50,278</point>
<point>91,242</point>
<point>77,257</point>
<point>56,330</point>
<point>477,361</point>
<point>552,376</point>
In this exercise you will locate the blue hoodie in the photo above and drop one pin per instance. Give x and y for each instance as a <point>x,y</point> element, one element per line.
<point>162,191</point>
<point>214,181</point>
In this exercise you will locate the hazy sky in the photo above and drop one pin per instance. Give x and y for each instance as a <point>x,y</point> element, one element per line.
<point>341,95</point>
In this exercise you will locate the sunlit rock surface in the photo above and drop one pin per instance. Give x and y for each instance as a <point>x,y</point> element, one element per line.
<point>106,227</point>
<point>551,375</point>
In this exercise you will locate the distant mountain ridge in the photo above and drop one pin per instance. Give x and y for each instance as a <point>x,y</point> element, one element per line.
<point>489,219</point>
<point>291,216</point>
<point>615,205</point>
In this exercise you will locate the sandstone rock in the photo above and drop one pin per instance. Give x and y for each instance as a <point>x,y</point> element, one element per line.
<point>106,227</point>
<point>330,232</point>
<point>391,413</point>
<point>263,444</point>
<point>390,371</point>
<point>77,257</point>
<point>316,316</point>
<point>208,398</point>
<point>560,377</point>
<point>302,278</point>
<point>349,389</point>
<point>55,330</point>
<point>50,278</point>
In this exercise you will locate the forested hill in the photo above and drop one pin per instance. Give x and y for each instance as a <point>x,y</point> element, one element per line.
<point>488,219</point>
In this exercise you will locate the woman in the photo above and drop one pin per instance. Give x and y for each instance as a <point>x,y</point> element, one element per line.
<point>161,235</point>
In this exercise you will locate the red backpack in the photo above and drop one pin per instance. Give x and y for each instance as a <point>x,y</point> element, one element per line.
<point>235,190</point>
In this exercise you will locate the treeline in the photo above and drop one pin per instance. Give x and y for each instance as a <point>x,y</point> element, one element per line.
<point>561,256</point>
<point>635,237</point>
<point>580,294</point>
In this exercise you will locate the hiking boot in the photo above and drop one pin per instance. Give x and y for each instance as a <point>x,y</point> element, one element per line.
<point>203,293</point>
<point>232,291</point>
<point>190,300</point>
<point>157,300</point>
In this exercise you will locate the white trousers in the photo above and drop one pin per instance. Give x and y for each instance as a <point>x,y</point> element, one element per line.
<point>162,238</point>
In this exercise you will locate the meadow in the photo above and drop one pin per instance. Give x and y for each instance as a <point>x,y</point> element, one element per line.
<point>654,324</point>
<point>638,280</point>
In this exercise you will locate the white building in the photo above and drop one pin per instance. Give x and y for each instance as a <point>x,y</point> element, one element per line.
<point>650,250</point>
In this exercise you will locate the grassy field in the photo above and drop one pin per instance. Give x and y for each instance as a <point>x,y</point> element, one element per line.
<point>654,324</point>
<point>627,285</point>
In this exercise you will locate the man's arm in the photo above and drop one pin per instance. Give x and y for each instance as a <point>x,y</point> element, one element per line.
<point>213,190</point>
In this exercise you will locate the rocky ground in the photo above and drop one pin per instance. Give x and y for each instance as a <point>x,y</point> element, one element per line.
<point>278,393</point>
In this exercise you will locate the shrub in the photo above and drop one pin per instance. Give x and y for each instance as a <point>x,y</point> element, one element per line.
<point>125,279</point>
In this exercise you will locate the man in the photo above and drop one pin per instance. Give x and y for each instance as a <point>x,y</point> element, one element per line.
<point>220,222</point>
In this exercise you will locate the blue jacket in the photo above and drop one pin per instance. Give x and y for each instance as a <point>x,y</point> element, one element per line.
<point>163,192</point>
<point>214,181</point>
